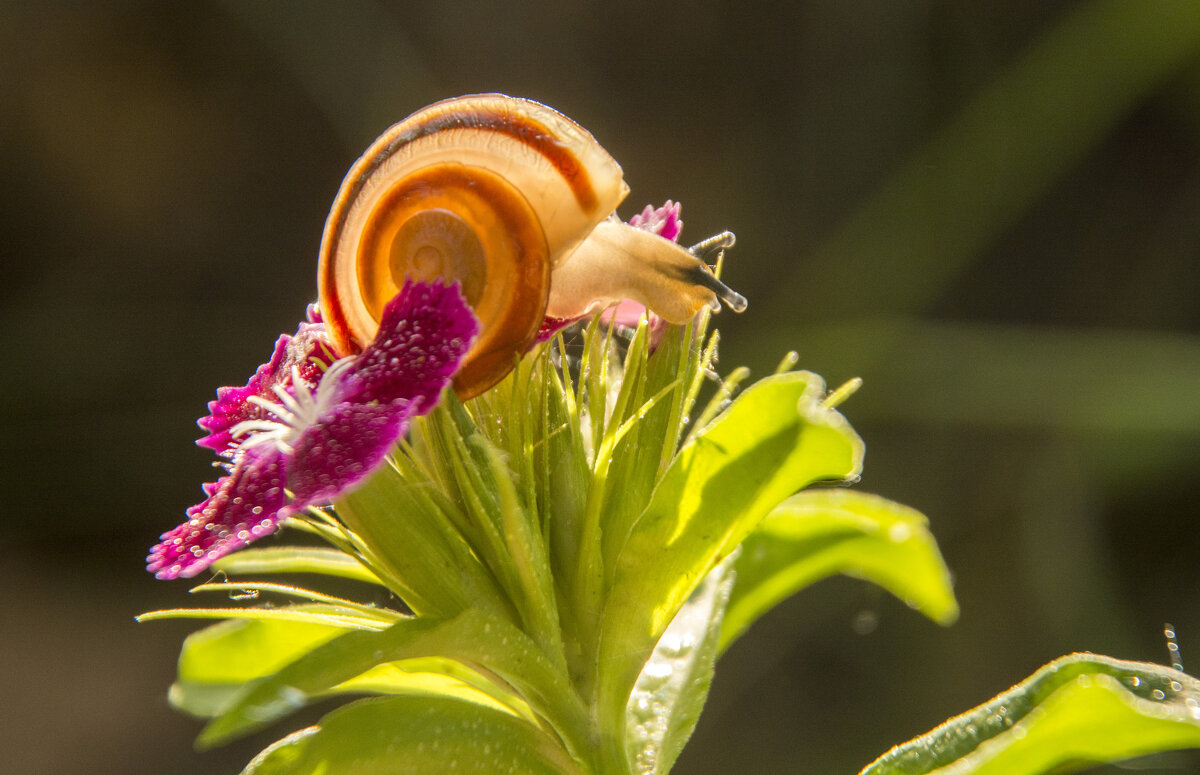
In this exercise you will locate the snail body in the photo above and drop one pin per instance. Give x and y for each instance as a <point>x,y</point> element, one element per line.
<point>512,200</point>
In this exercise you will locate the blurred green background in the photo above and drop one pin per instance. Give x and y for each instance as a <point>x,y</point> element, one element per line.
<point>989,211</point>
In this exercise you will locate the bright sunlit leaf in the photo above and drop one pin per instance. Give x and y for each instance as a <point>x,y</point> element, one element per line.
<point>415,736</point>
<point>819,533</point>
<point>473,638</point>
<point>1075,712</point>
<point>670,692</point>
<point>216,661</point>
<point>773,440</point>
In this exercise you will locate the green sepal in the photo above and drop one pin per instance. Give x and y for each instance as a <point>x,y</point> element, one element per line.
<point>434,568</point>
<point>295,559</point>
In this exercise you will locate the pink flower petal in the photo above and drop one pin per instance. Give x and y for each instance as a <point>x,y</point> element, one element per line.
<point>247,504</point>
<point>233,406</point>
<point>344,448</point>
<point>308,350</point>
<point>551,326</point>
<point>425,333</point>
<point>663,221</point>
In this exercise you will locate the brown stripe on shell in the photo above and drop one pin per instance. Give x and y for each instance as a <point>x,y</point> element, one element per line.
<point>524,129</point>
<point>494,116</point>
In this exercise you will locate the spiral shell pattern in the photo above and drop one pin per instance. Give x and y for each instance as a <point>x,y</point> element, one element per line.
<point>489,191</point>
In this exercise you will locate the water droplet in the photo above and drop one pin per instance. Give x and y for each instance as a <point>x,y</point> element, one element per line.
<point>658,670</point>
<point>865,622</point>
<point>1158,694</point>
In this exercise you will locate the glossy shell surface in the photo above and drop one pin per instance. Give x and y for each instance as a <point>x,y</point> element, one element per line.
<point>488,191</point>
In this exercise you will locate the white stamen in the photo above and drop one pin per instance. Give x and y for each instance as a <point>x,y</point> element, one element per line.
<point>249,426</point>
<point>331,378</point>
<point>295,412</point>
<point>303,397</point>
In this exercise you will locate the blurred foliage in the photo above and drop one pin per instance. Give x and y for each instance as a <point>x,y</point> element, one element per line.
<point>988,211</point>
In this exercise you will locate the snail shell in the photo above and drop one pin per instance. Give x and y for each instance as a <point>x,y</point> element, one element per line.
<point>512,200</point>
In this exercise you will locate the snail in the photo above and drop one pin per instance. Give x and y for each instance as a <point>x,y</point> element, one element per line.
<point>514,201</point>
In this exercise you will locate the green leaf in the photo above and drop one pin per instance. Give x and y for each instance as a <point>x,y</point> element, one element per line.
<point>1077,711</point>
<point>474,638</point>
<point>816,534</point>
<point>776,438</point>
<point>670,692</point>
<point>280,757</point>
<point>436,677</point>
<point>216,661</point>
<point>295,559</point>
<point>415,736</point>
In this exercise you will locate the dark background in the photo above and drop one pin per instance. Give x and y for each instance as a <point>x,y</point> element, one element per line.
<point>989,211</point>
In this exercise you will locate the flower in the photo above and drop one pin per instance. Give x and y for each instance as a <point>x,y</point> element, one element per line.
<point>330,425</point>
<point>309,352</point>
<point>663,221</point>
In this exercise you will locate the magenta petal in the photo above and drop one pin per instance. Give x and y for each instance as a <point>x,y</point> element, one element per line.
<point>340,451</point>
<point>551,326</point>
<point>308,350</point>
<point>247,504</point>
<point>425,332</point>
<point>663,221</point>
<point>423,335</point>
<point>233,406</point>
